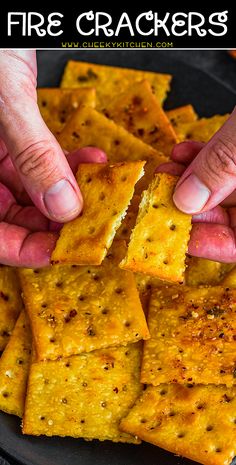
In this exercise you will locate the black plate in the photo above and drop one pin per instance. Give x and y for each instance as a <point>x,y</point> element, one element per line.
<point>190,85</point>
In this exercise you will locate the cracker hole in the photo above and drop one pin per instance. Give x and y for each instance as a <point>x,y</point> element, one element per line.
<point>20,361</point>
<point>67,364</point>
<point>118,290</point>
<point>44,305</point>
<point>84,384</point>
<point>5,395</point>
<point>75,135</point>
<point>36,271</point>
<point>82,421</point>
<point>209,428</point>
<point>172,227</point>
<point>200,406</point>
<point>91,230</point>
<point>81,298</point>
<point>42,418</point>
<point>172,414</point>
<point>105,311</point>
<point>127,324</point>
<point>44,103</point>
<point>114,213</point>
<point>181,435</point>
<point>149,239</point>
<point>124,178</point>
<point>102,196</point>
<point>165,262</point>
<point>59,284</point>
<point>218,450</point>
<point>143,420</point>
<point>96,277</point>
<point>163,392</point>
<point>64,400</point>
<point>155,205</point>
<point>88,179</point>
<point>52,340</point>
<point>103,404</point>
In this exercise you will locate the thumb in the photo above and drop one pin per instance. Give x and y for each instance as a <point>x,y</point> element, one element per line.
<point>36,155</point>
<point>211,176</point>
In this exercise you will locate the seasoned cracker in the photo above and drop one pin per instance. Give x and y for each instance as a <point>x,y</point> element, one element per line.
<point>10,303</point>
<point>88,127</point>
<point>111,80</point>
<point>207,272</point>
<point>107,191</point>
<point>203,129</point>
<point>192,336</point>
<point>139,111</point>
<point>14,366</point>
<point>57,105</point>
<point>79,309</point>
<point>160,238</point>
<point>84,396</point>
<point>179,117</point>
<point>196,422</point>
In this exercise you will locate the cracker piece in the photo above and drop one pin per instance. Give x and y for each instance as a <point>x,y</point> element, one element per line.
<point>79,309</point>
<point>84,396</point>
<point>160,238</point>
<point>192,336</point>
<point>203,129</point>
<point>111,80</point>
<point>88,127</point>
<point>10,303</point>
<point>139,111</point>
<point>107,191</point>
<point>14,366</point>
<point>57,105</point>
<point>207,272</point>
<point>196,422</point>
<point>179,117</point>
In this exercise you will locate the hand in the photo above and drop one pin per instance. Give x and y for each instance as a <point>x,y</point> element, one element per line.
<point>37,184</point>
<point>207,183</point>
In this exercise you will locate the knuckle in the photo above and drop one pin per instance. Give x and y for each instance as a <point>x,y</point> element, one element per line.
<point>37,161</point>
<point>221,157</point>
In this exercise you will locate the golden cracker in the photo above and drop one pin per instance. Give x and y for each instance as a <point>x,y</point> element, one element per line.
<point>88,127</point>
<point>10,303</point>
<point>57,105</point>
<point>14,366</point>
<point>140,113</point>
<point>159,240</point>
<point>84,396</point>
<point>197,422</point>
<point>192,336</point>
<point>79,309</point>
<point>111,80</point>
<point>107,191</point>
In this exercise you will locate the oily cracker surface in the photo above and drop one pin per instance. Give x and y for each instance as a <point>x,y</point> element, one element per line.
<point>159,240</point>
<point>195,422</point>
<point>111,80</point>
<point>84,396</point>
<point>14,367</point>
<point>76,309</point>
<point>207,272</point>
<point>57,105</point>
<point>88,127</point>
<point>192,336</point>
<point>107,191</point>
<point>10,303</point>
<point>139,111</point>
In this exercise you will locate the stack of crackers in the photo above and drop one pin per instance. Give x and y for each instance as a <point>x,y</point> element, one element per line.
<point>123,337</point>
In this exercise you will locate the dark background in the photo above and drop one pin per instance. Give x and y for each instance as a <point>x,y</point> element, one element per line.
<point>205,78</point>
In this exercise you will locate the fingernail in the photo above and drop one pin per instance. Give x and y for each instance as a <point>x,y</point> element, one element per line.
<point>61,201</point>
<point>192,195</point>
